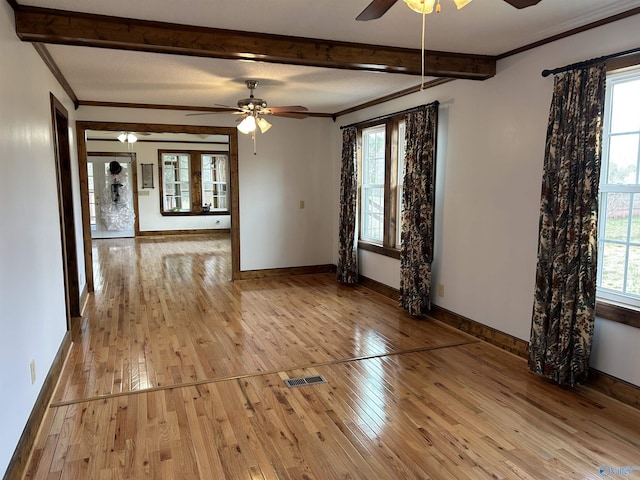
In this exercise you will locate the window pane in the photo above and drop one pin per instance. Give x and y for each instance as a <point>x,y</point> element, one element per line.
<point>613,265</point>
<point>633,271</point>
<point>401,142</point>
<point>373,156</point>
<point>183,169</point>
<point>623,159</point>
<point>625,107</point>
<point>373,173</point>
<point>635,220</point>
<point>617,216</point>
<point>373,218</point>
<point>176,181</point>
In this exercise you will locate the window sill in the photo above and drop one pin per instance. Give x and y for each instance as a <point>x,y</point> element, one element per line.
<point>379,249</point>
<point>616,313</point>
<point>193,214</point>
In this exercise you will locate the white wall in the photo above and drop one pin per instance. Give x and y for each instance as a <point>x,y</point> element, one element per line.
<point>294,162</point>
<point>30,246</point>
<point>490,157</point>
<point>291,166</point>
<point>150,218</point>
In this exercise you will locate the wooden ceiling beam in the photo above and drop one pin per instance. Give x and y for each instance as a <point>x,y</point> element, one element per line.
<point>35,24</point>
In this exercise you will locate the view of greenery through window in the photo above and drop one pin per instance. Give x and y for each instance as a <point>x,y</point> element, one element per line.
<point>373,172</point>
<point>619,221</point>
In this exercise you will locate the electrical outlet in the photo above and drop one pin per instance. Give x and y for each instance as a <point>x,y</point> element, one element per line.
<point>32,367</point>
<point>301,203</point>
<point>441,290</point>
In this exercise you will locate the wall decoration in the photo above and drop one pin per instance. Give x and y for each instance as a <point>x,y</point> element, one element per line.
<point>147,175</point>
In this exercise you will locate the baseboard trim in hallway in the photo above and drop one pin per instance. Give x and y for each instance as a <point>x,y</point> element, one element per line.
<point>19,460</point>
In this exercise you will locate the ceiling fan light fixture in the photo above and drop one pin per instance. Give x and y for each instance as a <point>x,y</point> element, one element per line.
<point>462,3</point>
<point>427,6</point>
<point>263,125</point>
<point>421,6</point>
<point>248,125</point>
<point>127,137</point>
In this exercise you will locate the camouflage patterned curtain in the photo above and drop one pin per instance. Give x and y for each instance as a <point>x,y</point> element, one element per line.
<point>565,293</point>
<point>416,253</point>
<point>347,271</point>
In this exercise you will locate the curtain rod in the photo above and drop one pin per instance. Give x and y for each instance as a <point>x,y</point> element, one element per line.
<point>384,117</point>
<point>588,63</point>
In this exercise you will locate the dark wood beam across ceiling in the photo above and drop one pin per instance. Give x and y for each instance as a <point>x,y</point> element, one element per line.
<point>35,24</point>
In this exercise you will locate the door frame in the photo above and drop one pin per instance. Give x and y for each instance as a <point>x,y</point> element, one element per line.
<point>64,181</point>
<point>231,132</point>
<point>134,182</point>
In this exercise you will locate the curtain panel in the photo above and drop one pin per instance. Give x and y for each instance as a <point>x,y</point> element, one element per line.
<point>347,269</point>
<point>565,292</point>
<point>416,253</point>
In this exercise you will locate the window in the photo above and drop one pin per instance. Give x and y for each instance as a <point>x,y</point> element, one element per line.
<point>381,155</point>
<point>176,181</point>
<point>215,194</point>
<point>619,216</point>
<point>400,142</point>
<point>373,173</point>
<point>194,182</point>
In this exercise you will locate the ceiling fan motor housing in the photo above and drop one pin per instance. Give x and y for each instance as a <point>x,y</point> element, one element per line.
<point>252,103</point>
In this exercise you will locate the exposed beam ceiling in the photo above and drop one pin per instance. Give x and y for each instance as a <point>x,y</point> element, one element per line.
<point>35,24</point>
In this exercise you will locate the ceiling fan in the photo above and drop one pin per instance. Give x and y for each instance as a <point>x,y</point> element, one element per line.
<point>377,8</point>
<point>253,109</point>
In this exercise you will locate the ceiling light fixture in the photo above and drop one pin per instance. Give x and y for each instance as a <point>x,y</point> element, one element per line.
<point>425,7</point>
<point>263,125</point>
<point>127,137</point>
<point>248,125</point>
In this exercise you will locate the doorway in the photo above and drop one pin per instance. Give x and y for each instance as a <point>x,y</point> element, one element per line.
<point>112,197</point>
<point>60,122</point>
<point>82,127</point>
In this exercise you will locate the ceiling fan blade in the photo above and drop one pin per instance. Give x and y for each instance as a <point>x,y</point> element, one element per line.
<point>292,108</point>
<point>289,114</point>
<point>375,9</point>
<point>216,110</point>
<point>522,3</point>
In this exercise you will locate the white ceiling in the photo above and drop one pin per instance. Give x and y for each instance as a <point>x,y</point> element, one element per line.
<point>489,27</point>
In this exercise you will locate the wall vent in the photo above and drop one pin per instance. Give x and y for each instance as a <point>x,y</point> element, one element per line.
<point>301,381</point>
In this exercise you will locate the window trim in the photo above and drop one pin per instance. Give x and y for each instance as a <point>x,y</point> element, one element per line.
<point>195,181</point>
<point>617,313</point>
<point>390,247</point>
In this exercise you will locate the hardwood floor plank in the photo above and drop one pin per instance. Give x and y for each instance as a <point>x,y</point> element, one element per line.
<point>176,373</point>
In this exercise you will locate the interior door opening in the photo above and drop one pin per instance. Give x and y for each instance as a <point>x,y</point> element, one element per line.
<point>112,195</point>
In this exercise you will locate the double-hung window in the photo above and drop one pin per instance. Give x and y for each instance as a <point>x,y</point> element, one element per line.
<point>215,191</point>
<point>194,182</point>
<point>176,182</point>
<point>373,173</point>
<point>619,216</point>
<point>381,170</point>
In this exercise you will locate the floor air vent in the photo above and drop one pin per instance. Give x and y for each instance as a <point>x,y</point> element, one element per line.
<point>301,381</point>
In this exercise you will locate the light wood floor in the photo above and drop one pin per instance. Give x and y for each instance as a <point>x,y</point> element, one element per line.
<point>177,373</point>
